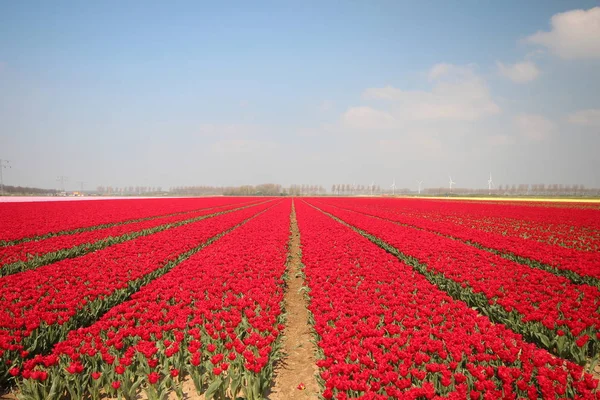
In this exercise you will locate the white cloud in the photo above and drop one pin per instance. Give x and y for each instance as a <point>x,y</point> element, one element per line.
<point>537,53</point>
<point>450,70</point>
<point>575,34</point>
<point>458,93</point>
<point>388,93</point>
<point>439,70</point>
<point>237,146</point>
<point>520,72</point>
<point>368,118</point>
<point>534,127</point>
<point>589,117</point>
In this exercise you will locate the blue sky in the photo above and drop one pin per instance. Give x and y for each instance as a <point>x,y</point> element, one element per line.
<point>186,93</point>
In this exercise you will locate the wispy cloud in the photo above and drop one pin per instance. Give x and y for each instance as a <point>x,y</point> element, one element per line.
<point>445,70</point>
<point>458,93</point>
<point>368,118</point>
<point>522,72</point>
<point>574,35</point>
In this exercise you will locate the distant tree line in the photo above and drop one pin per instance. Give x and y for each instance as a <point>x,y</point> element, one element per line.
<point>524,189</point>
<point>271,189</point>
<point>352,189</point>
<point>15,190</point>
<point>342,189</point>
<point>266,189</point>
<point>196,190</point>
<point>128,190</point>
<point>541,189</point>
<point>304,190</point>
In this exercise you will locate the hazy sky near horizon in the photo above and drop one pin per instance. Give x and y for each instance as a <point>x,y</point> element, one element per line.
<point>179,93</point>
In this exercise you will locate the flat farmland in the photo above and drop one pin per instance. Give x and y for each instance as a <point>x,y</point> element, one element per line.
<point>299,298</point>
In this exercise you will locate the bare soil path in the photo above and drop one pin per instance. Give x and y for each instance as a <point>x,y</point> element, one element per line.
<point>298,365</point>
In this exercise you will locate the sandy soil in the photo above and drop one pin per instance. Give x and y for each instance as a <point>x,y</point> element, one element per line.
<point>298,366</point>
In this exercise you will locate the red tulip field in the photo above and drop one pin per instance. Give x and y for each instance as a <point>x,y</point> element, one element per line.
<point>404,298</point>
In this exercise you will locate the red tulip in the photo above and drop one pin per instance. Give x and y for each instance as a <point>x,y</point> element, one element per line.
<point>153,377</point>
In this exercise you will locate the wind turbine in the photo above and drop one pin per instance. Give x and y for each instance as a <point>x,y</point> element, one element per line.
<point>372,187</point>
<point>393,187</point>
<point>490,184</point>
<point>451,183</point>
<point>419,183</point>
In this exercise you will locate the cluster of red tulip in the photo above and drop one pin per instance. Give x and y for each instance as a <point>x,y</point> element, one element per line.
<point>563,250</point>
<point>214,318</point>
<point>571,225</point>
<point>25,221</point>
<point>29,250</point>
<point>384,331</point>
<point>563,316</point>
<point>39,307</point>
<point>408,299</point>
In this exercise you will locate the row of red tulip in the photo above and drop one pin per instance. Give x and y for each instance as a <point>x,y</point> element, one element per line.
<point>548,309</point>
<point>386,332</point>
<point>38,307</point>
<point>33,254</point>
<point>20,221</point>
<point>584,264</point>
<point>566,226</point>
<point>215,318</point>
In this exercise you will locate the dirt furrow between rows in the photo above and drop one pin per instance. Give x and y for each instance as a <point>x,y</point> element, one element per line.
<point>295,372</point>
